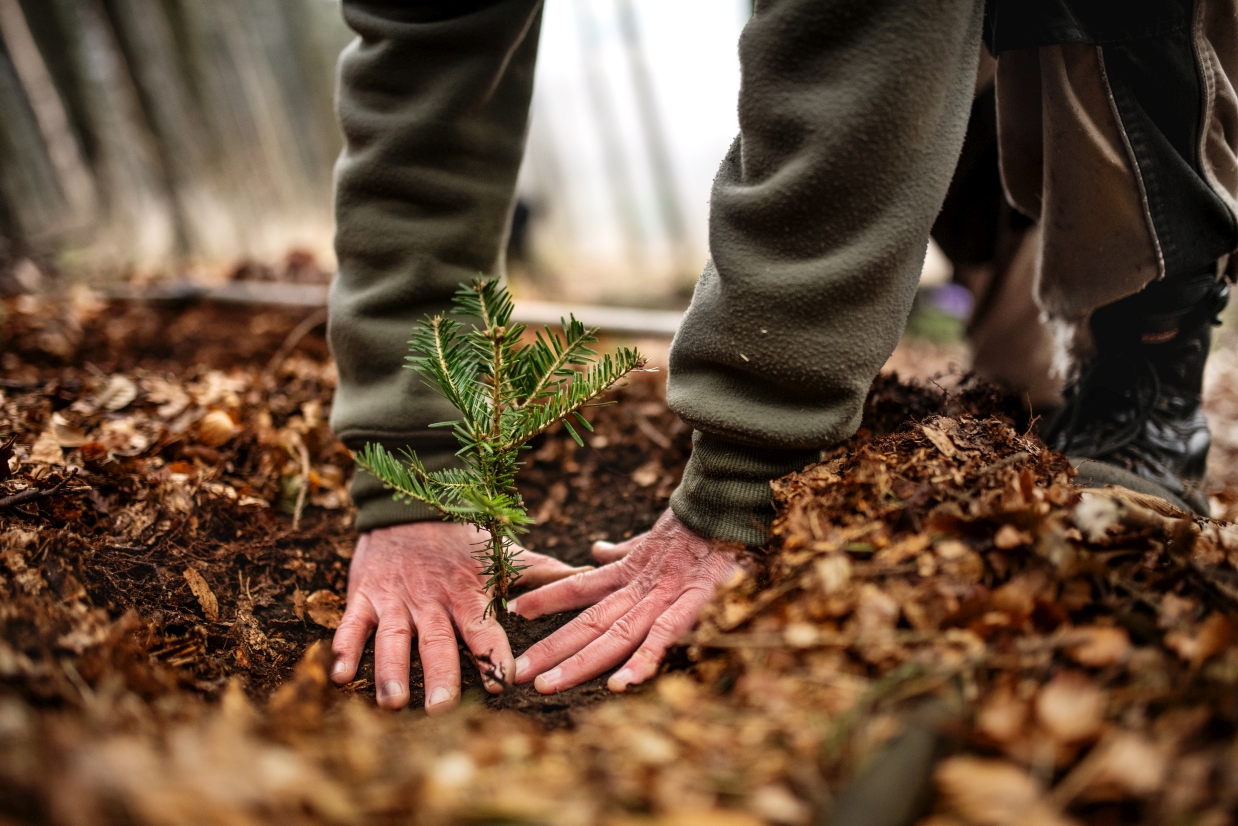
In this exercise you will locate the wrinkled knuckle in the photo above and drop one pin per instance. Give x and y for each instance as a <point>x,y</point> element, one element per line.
<point>698,593</point>
<point>625,627</point>
<point>647,657</point>
<point>395,634</point>
<point>349,623</point>
<point>438,638</point>
<point>665,627</point>
<point>592,620</point>
<point>476,625</point>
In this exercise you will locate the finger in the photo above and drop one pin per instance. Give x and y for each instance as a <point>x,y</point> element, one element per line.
<point>363,542</point>
<point>576,635</point>
<point>393,643</point>
<point>576,591</point>
<point>607,651</point>
<point>666,631</point>
<point>544,569</point>
<point>349,642</point>
<point>440,660</point>
<point>485,638</point>
<point>607,552</point>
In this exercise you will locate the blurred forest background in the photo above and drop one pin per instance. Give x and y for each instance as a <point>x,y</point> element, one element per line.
<point>181,139</point>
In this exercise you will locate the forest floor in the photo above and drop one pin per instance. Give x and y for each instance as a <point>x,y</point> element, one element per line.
<point>944,628</point>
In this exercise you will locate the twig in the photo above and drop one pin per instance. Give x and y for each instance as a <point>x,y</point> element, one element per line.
<point>303,455</point>
<point>1012,459</point>
<point>646,427</point>
<point>34,495</point>
<point>294,338</point>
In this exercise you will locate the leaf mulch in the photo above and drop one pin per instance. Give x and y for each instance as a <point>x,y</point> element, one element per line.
<point>1070,654</point>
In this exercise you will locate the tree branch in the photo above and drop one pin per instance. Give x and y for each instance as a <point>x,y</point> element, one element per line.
<point>34,495</point>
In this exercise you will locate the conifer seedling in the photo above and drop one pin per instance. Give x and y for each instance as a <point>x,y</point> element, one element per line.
<point>507,392</point>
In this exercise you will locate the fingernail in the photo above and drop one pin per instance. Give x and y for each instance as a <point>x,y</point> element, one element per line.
<point>620,680</point>
<point>339,668</point>
<point>603,545</point>
<point>391,689</point>
<point>511,606</point>
<point>439,696</point>
<point>522,665</point>
<point>547,681</point>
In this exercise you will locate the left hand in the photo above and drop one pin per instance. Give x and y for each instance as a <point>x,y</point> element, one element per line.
<point>645,602</point>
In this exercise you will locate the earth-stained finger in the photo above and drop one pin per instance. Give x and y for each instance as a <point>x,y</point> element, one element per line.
<point>607,552</point>
<point>576,635</point>
<point>576,591</point>
<point>606,651</point>
<point>486,641</point>
<point>392,652</point>
<point>665,632</point>
<point>440,660</point>
<point>355,626</point>
<point>543,569</point>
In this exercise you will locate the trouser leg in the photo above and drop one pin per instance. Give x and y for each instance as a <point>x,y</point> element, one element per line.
<point>1117,152</point>
<point>993,250</point>
<point>1125,153</point>
<point>433,102</point>
<point>851,118</point>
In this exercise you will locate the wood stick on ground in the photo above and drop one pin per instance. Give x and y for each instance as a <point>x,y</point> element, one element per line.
<point>295,446</point>
<point>34,495</point>
<point>294,338</point>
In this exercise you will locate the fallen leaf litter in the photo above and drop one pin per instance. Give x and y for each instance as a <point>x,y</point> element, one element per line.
<point>1075,649</point>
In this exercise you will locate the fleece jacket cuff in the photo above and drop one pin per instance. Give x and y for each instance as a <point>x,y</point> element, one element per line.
<point>376,506</point>
<point>725,492</point>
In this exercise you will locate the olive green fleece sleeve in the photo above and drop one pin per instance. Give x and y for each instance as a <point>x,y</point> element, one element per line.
<point>851,116</point>
<point>433,102</point>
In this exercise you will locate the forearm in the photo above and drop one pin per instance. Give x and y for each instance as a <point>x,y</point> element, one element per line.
<point>851,119</point>
<point>433,103</point>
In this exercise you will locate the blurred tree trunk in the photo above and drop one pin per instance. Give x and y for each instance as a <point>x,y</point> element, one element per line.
<point>143,134</point>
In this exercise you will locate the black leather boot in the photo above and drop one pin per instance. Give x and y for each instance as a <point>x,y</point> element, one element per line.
<point>1133,416</point>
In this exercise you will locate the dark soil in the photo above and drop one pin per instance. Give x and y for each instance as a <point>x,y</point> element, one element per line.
<point>129,550</point>
<point>259,569</point>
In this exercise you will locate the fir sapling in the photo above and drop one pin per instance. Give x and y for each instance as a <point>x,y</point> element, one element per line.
<point>507,392</point>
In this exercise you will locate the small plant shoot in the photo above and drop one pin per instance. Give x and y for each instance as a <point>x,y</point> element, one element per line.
<point>507,392</point>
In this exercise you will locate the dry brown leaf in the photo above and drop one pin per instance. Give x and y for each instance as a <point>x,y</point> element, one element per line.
<point>201,590</point>
<point>1126,764</point>
<point>216,428</point>
<point>66,434</point>
<point>705,817</point>
<point>1002,716</point>
<point>648,473</point>
<point>46,450</point>
<point>987,792</point>
<point>1071,707</point>
<point>1100,646</point>
<point>325,608</point>
<point>776,804</point>
<point>1209,638</point>
<point>117,394</point>
<point>1018,596</point>
<point>1008,536</point>
<point>298,603</point>
<point>939,438</point>
<point>170,396</point>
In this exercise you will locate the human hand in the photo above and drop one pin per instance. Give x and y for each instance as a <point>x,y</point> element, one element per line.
<point>641,603</point>
<point>420,579</point>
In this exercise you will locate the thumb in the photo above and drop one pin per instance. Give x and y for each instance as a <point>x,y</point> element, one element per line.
<point>607,552</point>
<point>544,569</point>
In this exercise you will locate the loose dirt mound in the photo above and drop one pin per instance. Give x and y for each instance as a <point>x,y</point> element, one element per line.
<point>936,588</point>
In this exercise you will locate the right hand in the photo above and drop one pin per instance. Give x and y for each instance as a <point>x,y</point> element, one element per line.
<point>420,579</point>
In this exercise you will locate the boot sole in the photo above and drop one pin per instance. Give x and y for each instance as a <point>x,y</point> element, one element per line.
<point>1093,473</point>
